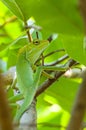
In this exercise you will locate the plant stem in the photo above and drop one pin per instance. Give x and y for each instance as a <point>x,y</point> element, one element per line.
<point>28,32</point>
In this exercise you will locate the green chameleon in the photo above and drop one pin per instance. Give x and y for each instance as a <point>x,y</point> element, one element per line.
<point>27,77</point>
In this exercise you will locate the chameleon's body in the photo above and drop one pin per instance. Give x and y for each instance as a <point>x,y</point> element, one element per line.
<point>27,80</point>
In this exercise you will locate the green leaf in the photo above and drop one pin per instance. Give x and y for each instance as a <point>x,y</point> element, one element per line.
<point>50,114</point>
<point>54,45</point>
<point>3,10</point>
<point>55,104</point>
<point>19,42</point>
<point>54,16</point>
<point>12,57</point>
<point>74,47</point>
<point>14,48</point>
<point>63,91</point>
<point>13,6</point>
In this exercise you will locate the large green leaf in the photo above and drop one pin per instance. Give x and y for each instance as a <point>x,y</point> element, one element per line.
<point>74,46</point>
<point>62,92</point>
<point>14,48</point>
<point>55,16</point>
<point>13,6</point>
<point>55,104</point>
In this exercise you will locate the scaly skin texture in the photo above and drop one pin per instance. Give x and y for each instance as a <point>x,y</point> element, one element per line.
<point>27,80</point>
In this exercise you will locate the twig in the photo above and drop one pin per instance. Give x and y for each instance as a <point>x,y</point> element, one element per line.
<point>3,35</point>
<point>34,26</point>
<point>44,124</point>
<point>51,53</point>
<point>12,19</point>
<point>59,60</point>
<point>28,32</point>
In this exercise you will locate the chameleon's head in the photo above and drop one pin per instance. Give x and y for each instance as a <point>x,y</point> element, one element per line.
<point>36,48</point>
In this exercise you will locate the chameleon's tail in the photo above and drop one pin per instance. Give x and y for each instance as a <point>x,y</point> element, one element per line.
<point>26,104</point>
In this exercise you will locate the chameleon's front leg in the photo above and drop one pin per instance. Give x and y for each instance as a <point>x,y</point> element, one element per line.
<point>40,69</point>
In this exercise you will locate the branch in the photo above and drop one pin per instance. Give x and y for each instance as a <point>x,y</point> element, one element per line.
<point>9,76</point>
<point>29,118</point>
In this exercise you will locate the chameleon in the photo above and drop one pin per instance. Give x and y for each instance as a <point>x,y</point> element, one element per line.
<point>28,80</point>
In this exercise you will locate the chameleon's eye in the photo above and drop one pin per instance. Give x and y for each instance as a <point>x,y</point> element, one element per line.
<point>36,42</point>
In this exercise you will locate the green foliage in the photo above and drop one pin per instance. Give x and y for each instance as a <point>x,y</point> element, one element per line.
<point>60,16</point>
<point>74,46</point>
<point>57,16</point>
